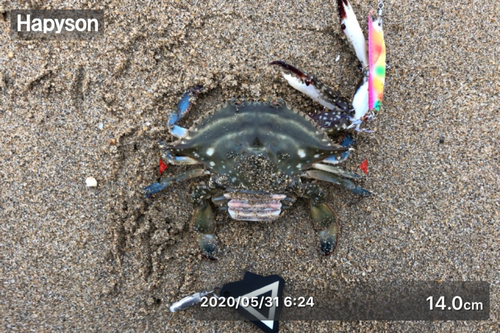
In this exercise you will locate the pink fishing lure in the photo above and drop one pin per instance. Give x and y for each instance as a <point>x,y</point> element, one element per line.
<point>376,61</point>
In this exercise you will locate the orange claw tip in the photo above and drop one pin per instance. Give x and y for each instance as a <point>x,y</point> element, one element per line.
<point>163,166</point>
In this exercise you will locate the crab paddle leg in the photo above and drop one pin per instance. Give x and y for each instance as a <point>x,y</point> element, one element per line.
<point>203,221</point>
<point>323,218</point>
<point>182,108</point>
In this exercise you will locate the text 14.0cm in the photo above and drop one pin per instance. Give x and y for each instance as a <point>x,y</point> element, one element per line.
<point>457,304</point>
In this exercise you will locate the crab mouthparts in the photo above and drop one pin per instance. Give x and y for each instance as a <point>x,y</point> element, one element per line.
<point>256,209</point>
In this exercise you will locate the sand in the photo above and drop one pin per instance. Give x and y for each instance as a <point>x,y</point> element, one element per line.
<point>74,258</point>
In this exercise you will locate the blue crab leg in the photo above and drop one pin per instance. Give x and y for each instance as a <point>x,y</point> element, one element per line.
<point>166,155</point>
<point>179,160</point>
<point>336,171</point>
<point>182,108</point>
<point>336,159</point>
<point>322,175</point>
<point>353,32</point>
<point>182,160</point>
<point>157,187</point>
<point>312,87</point>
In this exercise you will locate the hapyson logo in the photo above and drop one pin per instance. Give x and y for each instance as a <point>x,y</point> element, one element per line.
<point>56,24</point>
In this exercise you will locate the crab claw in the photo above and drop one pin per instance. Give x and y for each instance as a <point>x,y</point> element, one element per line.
<point>354,34</point>
<point>352,30</point>
<point>182,108</point>
<point>360,100</point>
<point>312,87</point>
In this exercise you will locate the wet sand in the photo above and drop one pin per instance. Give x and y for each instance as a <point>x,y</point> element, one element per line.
<point>107,259</point>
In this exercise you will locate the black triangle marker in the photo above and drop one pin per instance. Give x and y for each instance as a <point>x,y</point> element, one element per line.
<point>264,289</point>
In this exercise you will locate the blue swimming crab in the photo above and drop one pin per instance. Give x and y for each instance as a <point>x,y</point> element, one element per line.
<point>257,154</point>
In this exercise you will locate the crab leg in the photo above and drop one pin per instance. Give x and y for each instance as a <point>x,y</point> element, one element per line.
<point>203,221</point>
<point>323,218</point>
<point>157,187</point>
<point>322,175</point>
<point>336,159</point>
<point>182,108</point>
<point>167,155</point>
<point>336,171</point>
